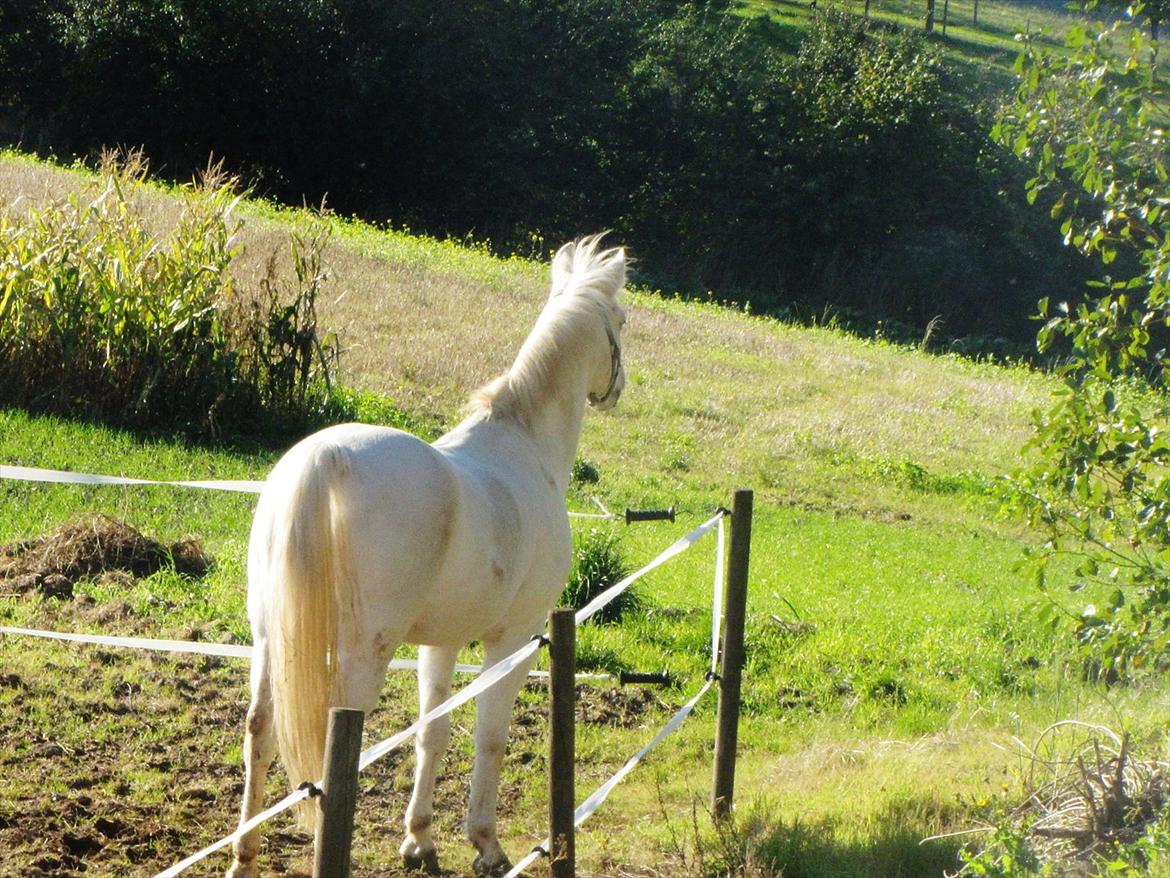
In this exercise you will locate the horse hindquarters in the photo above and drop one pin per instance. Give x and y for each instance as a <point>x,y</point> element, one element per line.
<point>308,606</point>
<point>292,582</point>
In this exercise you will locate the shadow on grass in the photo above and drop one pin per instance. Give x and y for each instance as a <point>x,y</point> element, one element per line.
<point>800,850</point>
<point>885,843</point>
<point>261,436</point>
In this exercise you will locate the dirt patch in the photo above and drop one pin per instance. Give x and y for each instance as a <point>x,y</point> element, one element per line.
<point>622,708</point>
<point>92,546</point>
<point>121,763</point>
<point>117,762</point>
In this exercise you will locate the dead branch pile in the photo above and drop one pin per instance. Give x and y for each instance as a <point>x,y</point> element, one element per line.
<point>1086,793</point>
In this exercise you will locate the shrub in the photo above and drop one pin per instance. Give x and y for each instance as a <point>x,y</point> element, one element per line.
<point>101,318</point>
<point>1101,487</point>
<point>598,564</point>
<point>585,471</point>
<point>282,356</point>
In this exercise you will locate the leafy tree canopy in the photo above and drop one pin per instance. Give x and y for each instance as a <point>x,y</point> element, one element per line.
<point>1091,124</point>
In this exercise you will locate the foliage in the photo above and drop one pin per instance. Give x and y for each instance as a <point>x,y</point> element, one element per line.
<point>585,471</point>
<point>855,174</point>
<point>598,563</point>
<point>1091,125</point>
<point>1147,855</point>
<point>102,318</point>
<point>1007,854</point>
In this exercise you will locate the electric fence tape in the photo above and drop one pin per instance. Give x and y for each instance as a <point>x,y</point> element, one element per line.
<point>241,486</point>
<point>676,548</point>
<point>585,810</point>
<point>484,681</point>
<point>225,650</point>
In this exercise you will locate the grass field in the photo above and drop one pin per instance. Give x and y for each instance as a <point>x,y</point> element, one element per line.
<point>982,35</point>
<point>892,652</point>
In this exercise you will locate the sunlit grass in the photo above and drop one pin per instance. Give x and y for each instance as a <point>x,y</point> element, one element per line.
<point>892,652</point>
<point>978,35</point>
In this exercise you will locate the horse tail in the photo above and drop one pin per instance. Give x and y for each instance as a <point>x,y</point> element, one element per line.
<point>310,579</point>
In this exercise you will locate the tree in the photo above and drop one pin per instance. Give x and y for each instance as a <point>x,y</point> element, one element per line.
<point>1155,13</point>
<point>1088,123</point>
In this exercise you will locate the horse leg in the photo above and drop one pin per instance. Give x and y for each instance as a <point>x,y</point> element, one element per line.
<point>435,667</point>
<point>494,715</point>
<point>259,751</point>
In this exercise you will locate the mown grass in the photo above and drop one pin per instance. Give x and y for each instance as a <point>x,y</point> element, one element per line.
<point>979,44</point>
<point>892,651</point>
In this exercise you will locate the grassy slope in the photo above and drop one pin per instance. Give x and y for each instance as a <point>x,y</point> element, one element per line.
<point>984,47</point>
<point>878,720</point>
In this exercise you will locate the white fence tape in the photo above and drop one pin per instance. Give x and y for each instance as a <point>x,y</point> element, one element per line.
<point>605,513</point>
<point>371,754</point>
<point>717,600</point>
<point>586,808</point>
<point>56,476</point>
<point>591,804</point>
<point>484,681</point>
<point>283,805</point>
<point>242,486</point>
<point>227,650</point>
<point>681,545</point>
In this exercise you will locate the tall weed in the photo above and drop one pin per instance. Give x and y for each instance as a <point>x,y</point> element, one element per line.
<point>102,318</point>
<point>598,563</point>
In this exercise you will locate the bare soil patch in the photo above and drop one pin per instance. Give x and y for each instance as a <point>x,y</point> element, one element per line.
<point>117,762</point>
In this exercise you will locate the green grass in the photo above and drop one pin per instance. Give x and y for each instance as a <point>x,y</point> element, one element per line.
<point>982,46</point>
<point>880,702</point>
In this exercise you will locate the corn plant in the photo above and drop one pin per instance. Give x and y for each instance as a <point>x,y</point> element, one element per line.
<point>101,317</point>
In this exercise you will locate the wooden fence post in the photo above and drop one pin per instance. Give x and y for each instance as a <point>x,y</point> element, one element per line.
<point>562,629</point>
<point>334,835</point>
<point>730,672</point>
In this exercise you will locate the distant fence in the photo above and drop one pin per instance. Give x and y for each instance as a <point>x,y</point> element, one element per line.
<point>337,790</point>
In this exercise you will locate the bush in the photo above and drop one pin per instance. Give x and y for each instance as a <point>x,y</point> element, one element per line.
<point>597,565</point>
<point>1101,487</point>
<point>103,319</point>
<point>585,471</point>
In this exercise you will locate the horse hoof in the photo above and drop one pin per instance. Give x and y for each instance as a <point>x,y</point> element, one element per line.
<point>243,870</point>
<point>428,862</point>
<point>483,869</point>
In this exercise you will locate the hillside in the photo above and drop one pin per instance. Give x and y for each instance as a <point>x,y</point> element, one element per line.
<point>719,398</point>
<point>892,652</point>
<point>801,160</point>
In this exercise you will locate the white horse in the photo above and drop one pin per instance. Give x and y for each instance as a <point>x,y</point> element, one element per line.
<point>365,537</point>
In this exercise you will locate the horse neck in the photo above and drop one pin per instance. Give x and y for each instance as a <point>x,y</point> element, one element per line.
<point>547,386</point>
<point>556,429</point>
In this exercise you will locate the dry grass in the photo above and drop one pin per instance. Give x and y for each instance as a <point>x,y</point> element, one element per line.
<point>744,400</point>
<point>715,399</point>
<point>93,545</point>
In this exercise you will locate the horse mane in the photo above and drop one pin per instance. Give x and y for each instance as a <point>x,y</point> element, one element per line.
<point>586,279</point>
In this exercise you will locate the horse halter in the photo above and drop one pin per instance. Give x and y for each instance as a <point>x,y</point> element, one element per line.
<point>615,354</point>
